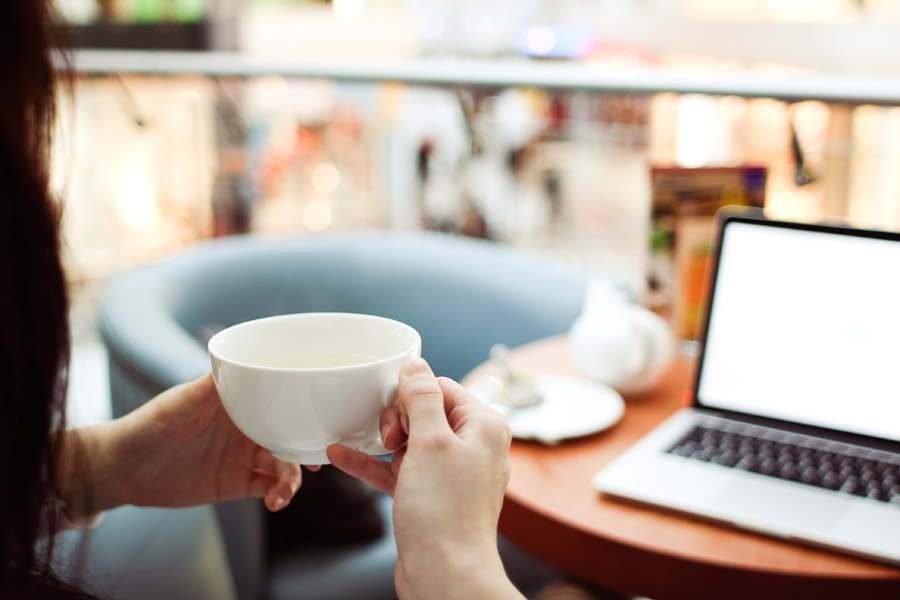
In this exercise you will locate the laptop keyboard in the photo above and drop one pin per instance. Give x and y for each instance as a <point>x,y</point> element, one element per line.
<point>811,461</point>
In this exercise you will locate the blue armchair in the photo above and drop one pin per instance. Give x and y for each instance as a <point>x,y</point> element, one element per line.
<point>462,295</point>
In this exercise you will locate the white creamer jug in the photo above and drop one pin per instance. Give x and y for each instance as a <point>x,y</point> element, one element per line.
<point>620,343</point>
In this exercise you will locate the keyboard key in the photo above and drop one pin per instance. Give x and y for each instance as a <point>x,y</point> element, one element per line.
<point>813,462</point>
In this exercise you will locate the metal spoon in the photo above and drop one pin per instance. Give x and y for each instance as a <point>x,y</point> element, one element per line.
<point>520,389</point>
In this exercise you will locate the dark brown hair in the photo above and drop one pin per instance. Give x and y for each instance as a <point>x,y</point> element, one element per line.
<point>34,339</point>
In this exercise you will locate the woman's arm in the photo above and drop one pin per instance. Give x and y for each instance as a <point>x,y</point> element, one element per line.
<point>179,449</point>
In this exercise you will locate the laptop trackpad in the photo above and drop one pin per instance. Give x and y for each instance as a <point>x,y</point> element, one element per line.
<point>777,504</point>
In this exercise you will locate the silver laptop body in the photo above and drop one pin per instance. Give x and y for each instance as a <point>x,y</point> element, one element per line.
<point>795,426</point>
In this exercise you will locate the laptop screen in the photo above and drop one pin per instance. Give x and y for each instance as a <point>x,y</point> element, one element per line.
<point>804,326</point>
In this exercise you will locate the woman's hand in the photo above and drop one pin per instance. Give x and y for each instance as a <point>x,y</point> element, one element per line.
<point>447,483</point>
<point>179,449</point>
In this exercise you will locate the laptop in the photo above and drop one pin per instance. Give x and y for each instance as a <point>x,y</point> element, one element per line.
<point>794,427</point>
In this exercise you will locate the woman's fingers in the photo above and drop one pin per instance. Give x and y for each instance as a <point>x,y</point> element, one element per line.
<point>286,477</point>
<point>392,434</point>
<point>203,391</point>
<point>421,399</point>
<point>457,395</point>
<point>465,410</point>
<point>265,485</point>
<point>368,469</point>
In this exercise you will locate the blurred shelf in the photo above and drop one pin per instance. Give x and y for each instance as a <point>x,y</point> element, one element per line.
<point>837,89</point>
<point>139,36</point>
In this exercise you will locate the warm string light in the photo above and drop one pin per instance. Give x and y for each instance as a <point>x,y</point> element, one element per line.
<point>317,216</point>
<point>326,178</point>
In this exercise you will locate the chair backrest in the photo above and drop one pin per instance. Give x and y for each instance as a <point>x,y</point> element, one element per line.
<point>462,295</point>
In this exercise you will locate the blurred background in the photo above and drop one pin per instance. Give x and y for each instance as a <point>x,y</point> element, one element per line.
<point>575,129</point>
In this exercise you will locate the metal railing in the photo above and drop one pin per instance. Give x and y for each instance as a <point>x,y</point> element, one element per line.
<point>833,89</point>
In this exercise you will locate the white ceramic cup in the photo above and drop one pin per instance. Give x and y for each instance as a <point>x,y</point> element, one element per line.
<point>296,384</point>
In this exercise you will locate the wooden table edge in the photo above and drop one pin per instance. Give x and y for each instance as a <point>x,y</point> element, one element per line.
<point>575,548</point>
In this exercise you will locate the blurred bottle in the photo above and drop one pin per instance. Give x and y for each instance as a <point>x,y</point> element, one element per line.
<point>112,11</point>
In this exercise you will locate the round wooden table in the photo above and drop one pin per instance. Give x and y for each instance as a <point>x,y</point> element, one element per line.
<point>552,511</point>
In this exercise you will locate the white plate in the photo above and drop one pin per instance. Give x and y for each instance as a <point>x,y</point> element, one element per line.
<point>572,407</point>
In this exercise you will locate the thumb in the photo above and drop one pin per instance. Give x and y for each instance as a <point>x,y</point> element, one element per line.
<point>421,400</point>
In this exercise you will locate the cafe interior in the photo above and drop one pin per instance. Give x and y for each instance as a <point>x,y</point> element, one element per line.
<point>491,172</point>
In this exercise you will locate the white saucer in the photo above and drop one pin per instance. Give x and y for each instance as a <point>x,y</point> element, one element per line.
<point>572,407</point>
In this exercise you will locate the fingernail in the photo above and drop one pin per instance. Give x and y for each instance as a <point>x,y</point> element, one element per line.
<point>384,433</point>
<point>416,364</point>
<point>404,422</point>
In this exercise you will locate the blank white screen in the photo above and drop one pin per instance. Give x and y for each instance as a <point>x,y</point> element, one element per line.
<point>805,327</point>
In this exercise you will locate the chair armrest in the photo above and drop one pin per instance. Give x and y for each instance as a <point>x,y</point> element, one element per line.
<point>149,553</point>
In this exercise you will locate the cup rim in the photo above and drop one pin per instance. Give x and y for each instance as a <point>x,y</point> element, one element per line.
<point>417,340</point>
